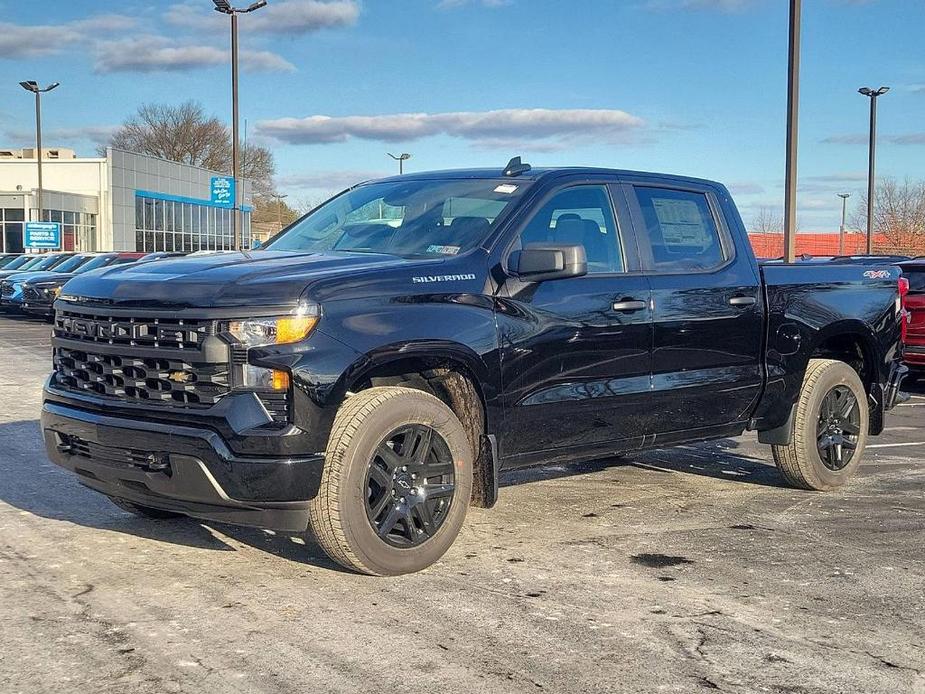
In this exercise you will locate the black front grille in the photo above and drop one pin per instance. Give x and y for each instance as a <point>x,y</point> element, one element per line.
<point>155,380</point>
<point>150,461</point>
<point>6,290</point>
<point>155,333</point>
<point>31,295</point>
<point>277,405</point>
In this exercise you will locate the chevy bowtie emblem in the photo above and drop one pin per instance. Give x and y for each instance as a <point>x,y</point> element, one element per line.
<point>179,377</point>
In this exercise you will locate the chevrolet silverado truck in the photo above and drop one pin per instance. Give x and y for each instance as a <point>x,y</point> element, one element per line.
<point>369,372</point>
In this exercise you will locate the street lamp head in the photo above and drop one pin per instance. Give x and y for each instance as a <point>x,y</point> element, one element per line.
<point>256,5</point>
<point>51,86</point>
<point>30,85</point>
<point>844,196</point>
<point>866,91</point>
<point>222,6</point>
<point>404,156</point>
<point>882,91</point>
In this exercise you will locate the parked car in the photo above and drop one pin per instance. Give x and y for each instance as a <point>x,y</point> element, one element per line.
<point>370,377</point>
<point>7,258</point>
<point>30,262</point>
<point>160,255</point>
<point>11,287</point>
<point>39,290</point>
<point>914,340</point>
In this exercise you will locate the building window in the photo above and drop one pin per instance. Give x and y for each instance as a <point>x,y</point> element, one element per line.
<point>78,229</point>
<point>173,225</point>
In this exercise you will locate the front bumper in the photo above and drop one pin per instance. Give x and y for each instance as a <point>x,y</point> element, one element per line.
<point>183,469</point>
<point>37,309</point>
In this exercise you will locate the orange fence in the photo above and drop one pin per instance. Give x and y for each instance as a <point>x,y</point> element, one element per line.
<point>771,245</point>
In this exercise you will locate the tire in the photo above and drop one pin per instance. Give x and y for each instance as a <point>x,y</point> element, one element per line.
<point>802,462</point>
<point>144,511</point>
<point>344,512</point>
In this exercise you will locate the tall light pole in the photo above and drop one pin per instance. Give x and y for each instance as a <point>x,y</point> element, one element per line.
<point>793,114</point>
<point>32,86</point>
<point>225,7</point>
<point>401,159</point>
<point>841,230</point>
<point>279,208</point>
<point>872,161</point>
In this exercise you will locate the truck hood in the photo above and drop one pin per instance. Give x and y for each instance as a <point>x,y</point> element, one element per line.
<point>260,278</point>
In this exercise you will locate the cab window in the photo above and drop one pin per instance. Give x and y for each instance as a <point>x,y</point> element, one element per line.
<point>581,215</point>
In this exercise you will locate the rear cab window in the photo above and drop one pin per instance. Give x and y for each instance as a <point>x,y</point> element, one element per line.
<point>680,232</point>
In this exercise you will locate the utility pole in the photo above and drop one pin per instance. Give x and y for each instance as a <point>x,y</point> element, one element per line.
<point>793,115</point>
<point>872,161</point>
<point>32,86</point>
<point>279,208</point>
<point>841,230</point>
<point>225,7</point>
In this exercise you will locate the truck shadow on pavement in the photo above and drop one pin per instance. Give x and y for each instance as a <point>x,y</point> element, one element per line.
<point>31,483</point>
<point>714,459</point>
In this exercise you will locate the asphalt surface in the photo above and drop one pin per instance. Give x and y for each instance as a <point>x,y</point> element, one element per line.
<point>682,570</point>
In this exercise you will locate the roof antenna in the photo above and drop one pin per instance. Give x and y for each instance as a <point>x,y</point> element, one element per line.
<point>515,167</point>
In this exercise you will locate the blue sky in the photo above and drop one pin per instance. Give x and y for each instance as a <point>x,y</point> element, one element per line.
<point>685,86</point>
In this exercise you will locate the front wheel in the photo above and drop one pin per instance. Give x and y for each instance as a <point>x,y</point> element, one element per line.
<point>396,483</point>
<point>830,428</point>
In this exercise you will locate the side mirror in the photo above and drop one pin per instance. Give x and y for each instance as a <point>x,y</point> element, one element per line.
<point>538,262</point>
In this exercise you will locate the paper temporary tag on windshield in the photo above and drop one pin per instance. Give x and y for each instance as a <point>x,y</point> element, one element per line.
<point>443,250</point>
<point>505,188</point>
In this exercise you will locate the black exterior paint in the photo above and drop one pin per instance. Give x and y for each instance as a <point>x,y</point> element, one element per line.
<point>562,375</point>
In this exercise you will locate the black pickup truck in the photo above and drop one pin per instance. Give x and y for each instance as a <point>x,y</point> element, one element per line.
<point>370,371</point>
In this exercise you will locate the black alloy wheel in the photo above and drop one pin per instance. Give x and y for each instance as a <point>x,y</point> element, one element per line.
<point>410,485</point>
<point>838,428</point>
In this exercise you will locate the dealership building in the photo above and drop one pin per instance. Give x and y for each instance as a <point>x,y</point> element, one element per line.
<point>120,202</point>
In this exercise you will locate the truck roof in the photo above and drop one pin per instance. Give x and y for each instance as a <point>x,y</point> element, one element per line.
<point>536,174</point>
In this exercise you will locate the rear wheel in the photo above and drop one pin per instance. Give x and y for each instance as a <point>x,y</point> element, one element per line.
<point>396,483</point>
<point>830,428</point>
<point>144,511</point>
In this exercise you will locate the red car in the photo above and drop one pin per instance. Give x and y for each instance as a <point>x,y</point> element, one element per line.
<point>914,350</point>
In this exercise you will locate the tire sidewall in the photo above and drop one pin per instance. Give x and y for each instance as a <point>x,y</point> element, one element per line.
<point>412,408</point>
<point>819,475</point>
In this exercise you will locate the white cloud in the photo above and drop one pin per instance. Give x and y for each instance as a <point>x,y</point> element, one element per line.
<point>502,126</point>
<point>97,134</point>
<point>327,180</point>
<point>290,17</point>
<point>917,138</point>
<point>148,53</point>
<point>35,41</point>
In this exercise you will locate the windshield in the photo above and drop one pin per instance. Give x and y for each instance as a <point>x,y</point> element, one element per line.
<point>9,260</point>
<point>46,263</point>
<point>916,276</point>
<point>98,262</point>
<point>23,262</point>
<point>72,264</point>
<point>432,218</point>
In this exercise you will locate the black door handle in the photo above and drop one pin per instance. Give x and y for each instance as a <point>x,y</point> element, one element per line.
<point>743,301</point>
<point>629,305</point>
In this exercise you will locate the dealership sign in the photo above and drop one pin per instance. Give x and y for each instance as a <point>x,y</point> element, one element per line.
<point>42,235</point>
<point>223,190</point>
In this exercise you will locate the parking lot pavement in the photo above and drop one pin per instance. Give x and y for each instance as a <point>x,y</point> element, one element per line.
<point>681,570</point>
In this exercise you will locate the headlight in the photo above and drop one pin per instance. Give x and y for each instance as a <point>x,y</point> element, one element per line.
<point>284,330</point>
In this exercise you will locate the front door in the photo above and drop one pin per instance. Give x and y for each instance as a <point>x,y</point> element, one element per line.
<point>707,312</point>
<point>575,353</point>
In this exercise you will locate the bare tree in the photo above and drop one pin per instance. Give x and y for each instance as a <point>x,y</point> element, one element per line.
<point>899,214</point>
<point>767,220</point>
<point>186,134</point>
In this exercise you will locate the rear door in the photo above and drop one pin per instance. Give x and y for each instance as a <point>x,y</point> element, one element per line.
<point>707,311</point>
<point>914,349</point>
